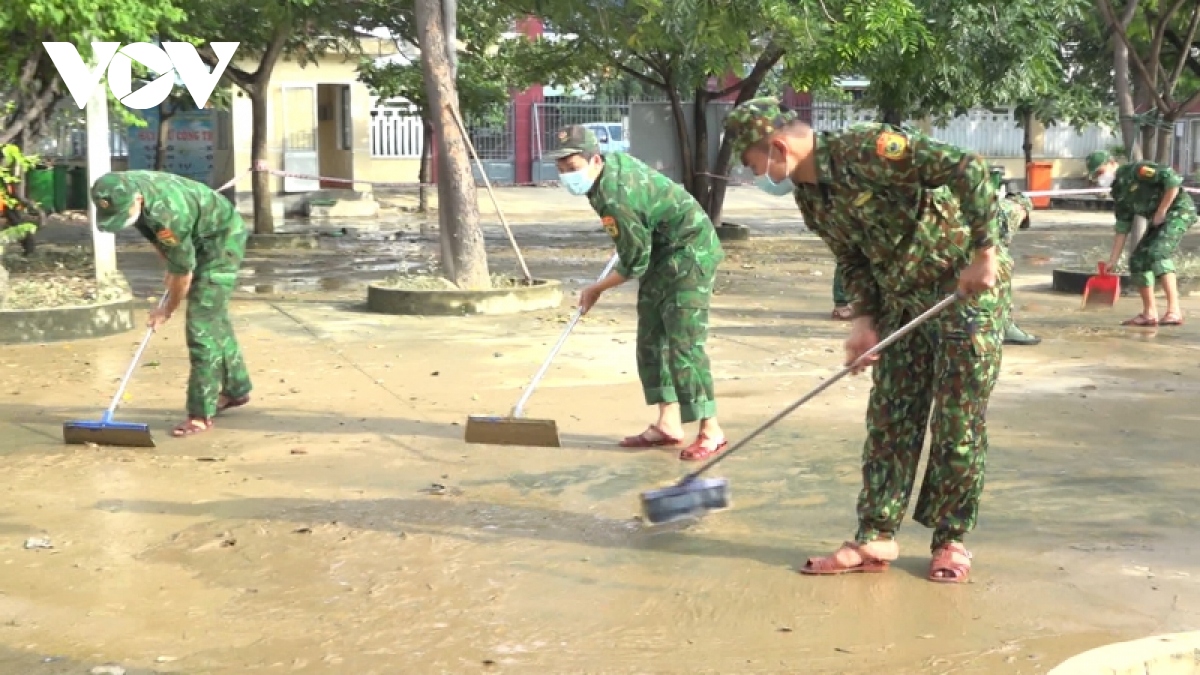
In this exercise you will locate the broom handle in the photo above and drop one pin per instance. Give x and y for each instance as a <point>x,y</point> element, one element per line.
<point>554,352</point>
<point>112,407</point>
<point>883,344</point>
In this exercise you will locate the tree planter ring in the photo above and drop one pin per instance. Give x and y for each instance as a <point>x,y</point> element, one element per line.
<point>59,324</point>
<point>543,294</point>
<point>730,232</point>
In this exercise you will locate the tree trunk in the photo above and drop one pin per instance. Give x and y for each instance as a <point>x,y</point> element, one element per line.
<point>700,181</point>
<point>892,116</point>
<point>683,138</point>
<point>264,222</point>
<point>164,135</point>
<point>464,258</point>
<point>1166,135</point>
<point>1123,86</point>
<point>426,170</point>
<point>1027,142</point>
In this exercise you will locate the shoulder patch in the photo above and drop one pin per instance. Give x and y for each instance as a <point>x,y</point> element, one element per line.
<point>610,226</point>
<point>1146,172</point>
<point>167,238</point>
<point>891,145</point>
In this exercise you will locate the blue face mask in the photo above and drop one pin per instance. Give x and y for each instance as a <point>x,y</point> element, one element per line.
<point>764,182</point>
<point>577,182</point>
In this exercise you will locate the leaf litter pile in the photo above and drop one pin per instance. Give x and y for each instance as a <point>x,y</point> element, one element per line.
<point>56,278</point>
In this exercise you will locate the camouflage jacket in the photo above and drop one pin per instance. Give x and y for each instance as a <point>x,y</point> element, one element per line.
<point>652,220</point>
<point>1011,217</point>
<point>877,204</point>
<point>1138,190</point>
<point>195,227</point>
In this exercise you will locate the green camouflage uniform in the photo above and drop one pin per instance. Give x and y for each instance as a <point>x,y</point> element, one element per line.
<point>1011,219</point>
<point>666,240</point>
<point>1137,191</point>
<point>901,244</point>
<point>199,232</point>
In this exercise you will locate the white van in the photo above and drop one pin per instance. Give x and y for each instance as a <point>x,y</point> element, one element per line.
<point>610,136</point>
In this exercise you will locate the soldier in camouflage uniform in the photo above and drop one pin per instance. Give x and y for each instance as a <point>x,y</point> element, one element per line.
<point>665,240</point>
<point>1154,192</point>
<point>1015,212</point>
<point>871,194</point>
<point>202,238</point>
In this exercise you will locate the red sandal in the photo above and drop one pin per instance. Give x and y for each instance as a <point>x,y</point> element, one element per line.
<point>1171,319</point>
<point>1141,321</point>
<point>951,564</point>
<point>192,426</point>
<point>698,451</point>
<point>829,565</point>
<point>642,441</point>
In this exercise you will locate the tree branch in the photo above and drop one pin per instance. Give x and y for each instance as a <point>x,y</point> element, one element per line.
<point>35,109</point>
<point>1186,53</point>
<point>1184,49</point>
<point>766,61</point>
<point>240,77</point>
<point>1110,17</point>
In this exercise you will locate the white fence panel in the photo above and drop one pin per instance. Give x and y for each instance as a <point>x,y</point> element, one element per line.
<point>992,133</point>
<point>397,132</point>
<point>1064,142</point>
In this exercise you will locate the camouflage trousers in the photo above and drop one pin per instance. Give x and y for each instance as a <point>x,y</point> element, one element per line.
<point>940,375</point>
<point>840,298</point>
<point>216,360</point>
<point>1152,256</point>
<point>672,330</point>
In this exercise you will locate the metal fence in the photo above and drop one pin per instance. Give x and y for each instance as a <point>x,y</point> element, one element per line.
<point>397,131</point>
<point>494,138</point>
<point>609,121</point>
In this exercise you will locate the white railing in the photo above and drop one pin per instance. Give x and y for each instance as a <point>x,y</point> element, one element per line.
<point>991,133</point>
<point>396,133</point>
<point>1063,142</point>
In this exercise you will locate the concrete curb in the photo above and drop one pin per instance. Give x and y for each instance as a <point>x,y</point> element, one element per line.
<point>1174,654</point>
<point>59,324</point>
<point>544,294</point>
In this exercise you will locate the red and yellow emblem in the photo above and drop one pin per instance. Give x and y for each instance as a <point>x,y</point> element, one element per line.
<point>1146,172</point>
<point>891,145</point>
<point>610,226</point>
<point>167,238</point>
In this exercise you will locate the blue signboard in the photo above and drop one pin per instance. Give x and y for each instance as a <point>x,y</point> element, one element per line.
<point>191,141</point>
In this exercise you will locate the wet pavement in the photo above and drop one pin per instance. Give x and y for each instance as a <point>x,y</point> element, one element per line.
<point>339,524</point>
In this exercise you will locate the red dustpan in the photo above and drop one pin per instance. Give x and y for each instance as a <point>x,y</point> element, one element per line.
<point>1102,289</point>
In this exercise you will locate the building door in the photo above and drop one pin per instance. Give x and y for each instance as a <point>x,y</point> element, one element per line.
<point>300,154</point>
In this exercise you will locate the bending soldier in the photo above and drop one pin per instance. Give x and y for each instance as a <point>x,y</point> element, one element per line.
<point>1154,192</point>
<point>665,240</point>
<point>200,235</point>
<point>871,194</point>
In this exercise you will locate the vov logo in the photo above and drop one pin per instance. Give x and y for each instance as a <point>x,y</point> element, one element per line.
<point>174,63</point>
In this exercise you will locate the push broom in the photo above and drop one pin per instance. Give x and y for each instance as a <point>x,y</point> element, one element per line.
<point>693,496</point>
<point>107,432</point>
<point>518,430</point>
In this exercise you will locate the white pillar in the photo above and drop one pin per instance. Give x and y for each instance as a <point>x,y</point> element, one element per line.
<point>99,162</point>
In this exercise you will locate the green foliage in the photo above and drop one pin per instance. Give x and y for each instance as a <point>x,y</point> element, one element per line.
<point>13,165</point>
<point>16,233</point>
<point>32,87</point>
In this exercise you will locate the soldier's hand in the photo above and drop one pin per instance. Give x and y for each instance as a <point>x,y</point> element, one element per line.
<point>1159,219</point>
<point>588,297</point>
<point>980,275</point>
<point>157,318</point>
<point>862,338</point>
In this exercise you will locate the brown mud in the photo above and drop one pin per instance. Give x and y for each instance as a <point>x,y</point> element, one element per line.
<point>339,524</point>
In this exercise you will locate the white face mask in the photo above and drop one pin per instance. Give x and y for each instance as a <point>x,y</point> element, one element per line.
<point>137,213</point>
<point>1106,179</point>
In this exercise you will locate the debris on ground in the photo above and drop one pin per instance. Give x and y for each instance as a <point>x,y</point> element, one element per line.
<point>34,543</point>
<point>57,278</point>
<point>424,281</point>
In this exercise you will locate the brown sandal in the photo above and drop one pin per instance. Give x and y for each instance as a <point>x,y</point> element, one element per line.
<point>1171,319</point>
<point>947,566</point>
<point>231,402</point>
<point>643,441</point>
<point>842,313</point>
<point>829,565</point>
<point>192,426</point>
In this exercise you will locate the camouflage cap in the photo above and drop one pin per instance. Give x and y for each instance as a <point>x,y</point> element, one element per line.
<point>113,195</point>
<point>1021,200</point>
<point>753,121</point>
<point>574,140</point>
<point>1096,160</point>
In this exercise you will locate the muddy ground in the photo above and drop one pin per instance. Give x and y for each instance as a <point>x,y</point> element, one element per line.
<point>340,525</point>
